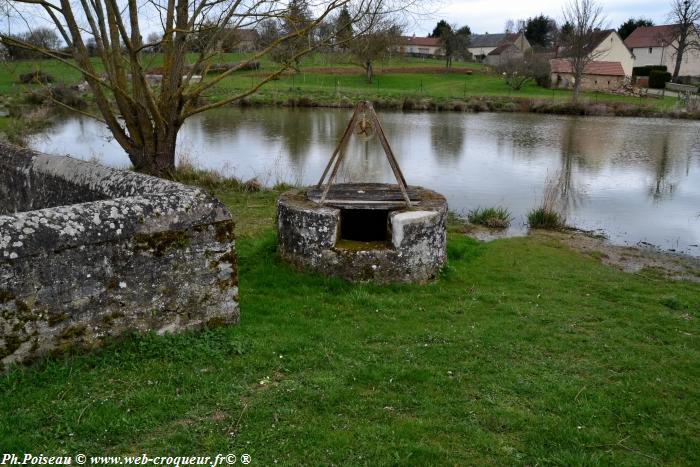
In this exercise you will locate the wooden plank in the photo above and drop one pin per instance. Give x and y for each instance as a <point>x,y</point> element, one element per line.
<point>366,191</point>
<point>364,204</point>
<point>377,196</point>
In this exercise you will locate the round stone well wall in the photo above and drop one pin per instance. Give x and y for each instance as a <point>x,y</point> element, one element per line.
<point>380,244</point>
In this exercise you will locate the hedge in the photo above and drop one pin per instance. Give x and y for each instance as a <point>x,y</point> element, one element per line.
<point>658,79</point>
<point>646,70</point>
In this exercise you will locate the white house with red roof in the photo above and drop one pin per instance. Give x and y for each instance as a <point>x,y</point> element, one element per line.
<point>656,45</point>
<point>611,63</point>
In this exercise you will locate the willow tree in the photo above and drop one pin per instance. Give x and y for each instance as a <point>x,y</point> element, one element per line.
<point>144,115</point>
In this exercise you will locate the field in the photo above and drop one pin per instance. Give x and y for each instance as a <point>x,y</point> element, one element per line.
<point>522,352</point>
<point>327,81</point>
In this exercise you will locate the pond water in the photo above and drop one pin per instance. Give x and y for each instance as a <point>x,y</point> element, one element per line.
<point>635,180</point>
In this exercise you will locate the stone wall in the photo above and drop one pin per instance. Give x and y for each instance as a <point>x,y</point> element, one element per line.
<point>88,252</point>
<point>308,237</point>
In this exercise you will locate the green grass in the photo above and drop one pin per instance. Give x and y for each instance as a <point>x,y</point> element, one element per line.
<point>333,88</point>
<point>545,218</point>
<point>523,352</point>
<point>497,218</point>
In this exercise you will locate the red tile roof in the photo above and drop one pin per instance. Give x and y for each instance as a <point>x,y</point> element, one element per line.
<point>421,41</point>
<point>560,65</point>
<point>651,36</point>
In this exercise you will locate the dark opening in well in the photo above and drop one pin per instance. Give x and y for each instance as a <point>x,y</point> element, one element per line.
<point>364,225</point>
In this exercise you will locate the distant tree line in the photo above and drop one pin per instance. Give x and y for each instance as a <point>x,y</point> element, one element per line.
<point>42,37</point>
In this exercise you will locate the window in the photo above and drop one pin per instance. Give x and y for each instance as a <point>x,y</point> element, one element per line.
<point>650,50</point>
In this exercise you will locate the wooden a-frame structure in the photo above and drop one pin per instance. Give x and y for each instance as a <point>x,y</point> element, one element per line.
<point>364,121</point>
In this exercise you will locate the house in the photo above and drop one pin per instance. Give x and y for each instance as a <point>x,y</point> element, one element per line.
<point>420,46</point>
<point>597,75</point>
<point>503,53</point>
<point>480,45</point>
<point>244,40</point>
<point>654,45</point>
<point>607,46</point>
<point>611,63</point>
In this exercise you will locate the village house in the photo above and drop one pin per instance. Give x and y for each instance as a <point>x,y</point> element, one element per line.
<point>420,46</point>
<point>597,75</point>
<point>611,64</point>
<point>245,40</point>
<point>481,45</point>
<point>656,45</point>
<point>502,54</point>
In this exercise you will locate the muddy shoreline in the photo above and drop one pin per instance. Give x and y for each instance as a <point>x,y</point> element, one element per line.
<point>639,259</point>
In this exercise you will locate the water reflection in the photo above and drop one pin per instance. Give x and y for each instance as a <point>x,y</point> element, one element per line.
<point>447,137</point>
<point>636,179</point>
<point>567,194</point>
<point>662,187</point>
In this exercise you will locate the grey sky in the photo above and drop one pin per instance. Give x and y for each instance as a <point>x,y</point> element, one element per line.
<point>490,15</point>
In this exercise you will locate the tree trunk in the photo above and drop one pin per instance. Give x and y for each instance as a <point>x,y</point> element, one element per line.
<point>578,74</point>
<point>158,160</point>
<point>369,71</point>
<point>577,86</point>
<point>679,60</point>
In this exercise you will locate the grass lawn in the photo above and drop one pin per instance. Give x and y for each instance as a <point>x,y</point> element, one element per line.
<point>352,84</point>
<point>523,352</point>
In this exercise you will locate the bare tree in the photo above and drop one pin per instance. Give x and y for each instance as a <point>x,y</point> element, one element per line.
<point>380,33</point>
<point>153,38</point>
<point>685,15</point>
<point>143,117</point>
<point>517,72</point>
<point>585,18</point>
<point>268,32</point>
<point>454,41</point>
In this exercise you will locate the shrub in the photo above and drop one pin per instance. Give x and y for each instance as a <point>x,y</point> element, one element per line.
<point>476,105</point>
<point>68,96</point>
<point>545,218</point>
<point>658,79</point>
<point>59,93</point>
<point>408,104</point>
<point>36,77</point>
<point>646,70</point>
<point>495,218</point>
<point>252,186</point>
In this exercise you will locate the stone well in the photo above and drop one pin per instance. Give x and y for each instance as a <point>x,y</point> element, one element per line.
<point>88,252</point>
<point>376,240</point>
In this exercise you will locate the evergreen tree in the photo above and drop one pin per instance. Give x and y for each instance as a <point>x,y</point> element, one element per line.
<point>630,25</point>
<point>540,31</point>
<point>343,27</point>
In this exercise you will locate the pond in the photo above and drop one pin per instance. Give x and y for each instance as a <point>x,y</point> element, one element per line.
<point>635,180</point>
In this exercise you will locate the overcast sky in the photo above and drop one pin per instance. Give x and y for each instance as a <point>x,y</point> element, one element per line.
<point>490,15</point>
